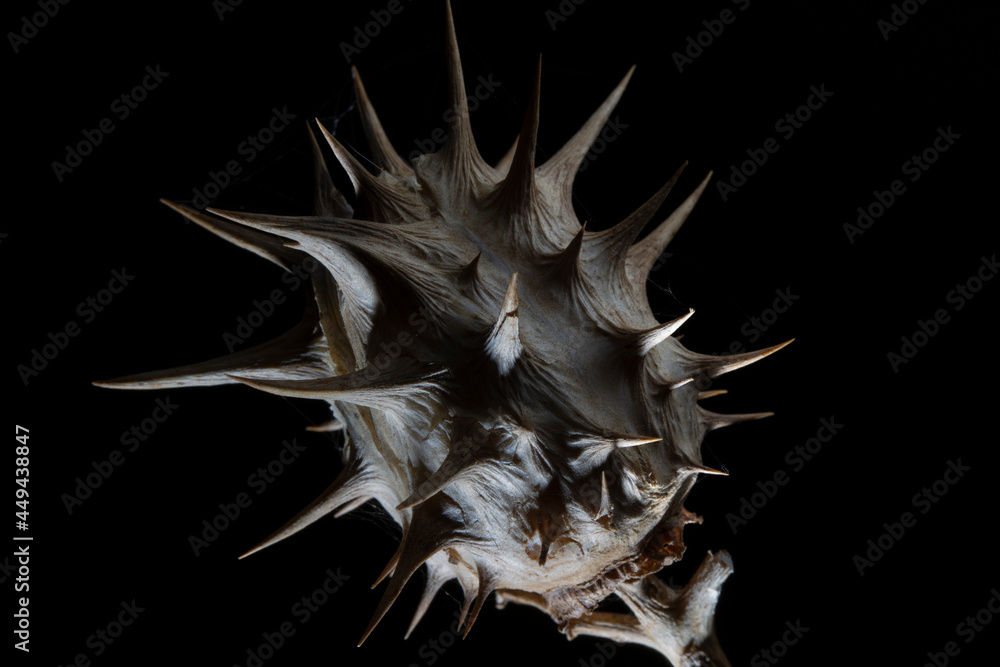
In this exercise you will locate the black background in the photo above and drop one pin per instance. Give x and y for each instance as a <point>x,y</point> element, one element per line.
<point>782,230</point>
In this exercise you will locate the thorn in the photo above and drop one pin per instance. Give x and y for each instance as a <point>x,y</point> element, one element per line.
<point>634,442</point>
<point>349,487</point>
<point>463,456</point>
<point>704,470</point>
<point>503,165</point>
<point>387,390</point>
<point>518,187</point>
<point>567,262</point>
<point>326,427</point>
<point>563,166</point>
<point>387,200</point>
<point>543,552</point>
<point>462,169</point>
<point>327,199</point>
<point>434,582</point>
<point>389,569</point>
<point>593,450</point>
<point>715,366</point>
<point>702,395</point>
<point>503,344</point>
<point>470,272</point>
<point>605,508</point>
<point>382,150</point>
<point>360,177</point>
<point>611,441</point>
<point>642,256</point>
<point>292,353</point>
<point>649,339</point>
<point>713,420</point>
<point>261,243</point>
<point>407,564</point>
<point>483,591</point>
<point>351,506</point>
<point>456,79</point>
<point>614,243</point>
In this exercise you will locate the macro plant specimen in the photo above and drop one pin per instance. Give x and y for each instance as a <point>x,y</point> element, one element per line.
<point>506,393</point>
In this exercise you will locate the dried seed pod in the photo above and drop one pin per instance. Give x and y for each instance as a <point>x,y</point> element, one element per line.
<point>506,393</point>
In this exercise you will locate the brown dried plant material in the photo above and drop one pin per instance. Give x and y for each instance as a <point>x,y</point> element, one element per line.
<point>534,429</point>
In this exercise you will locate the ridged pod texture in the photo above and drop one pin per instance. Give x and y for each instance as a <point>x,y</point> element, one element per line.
<point>506,393</point>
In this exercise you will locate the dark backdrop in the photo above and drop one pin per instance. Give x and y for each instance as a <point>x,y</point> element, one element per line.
<point>780,235</point>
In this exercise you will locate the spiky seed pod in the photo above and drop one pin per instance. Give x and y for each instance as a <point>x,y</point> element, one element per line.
<point>536,429</point>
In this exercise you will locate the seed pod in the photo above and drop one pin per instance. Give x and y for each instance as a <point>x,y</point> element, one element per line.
<point>506,394</point>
